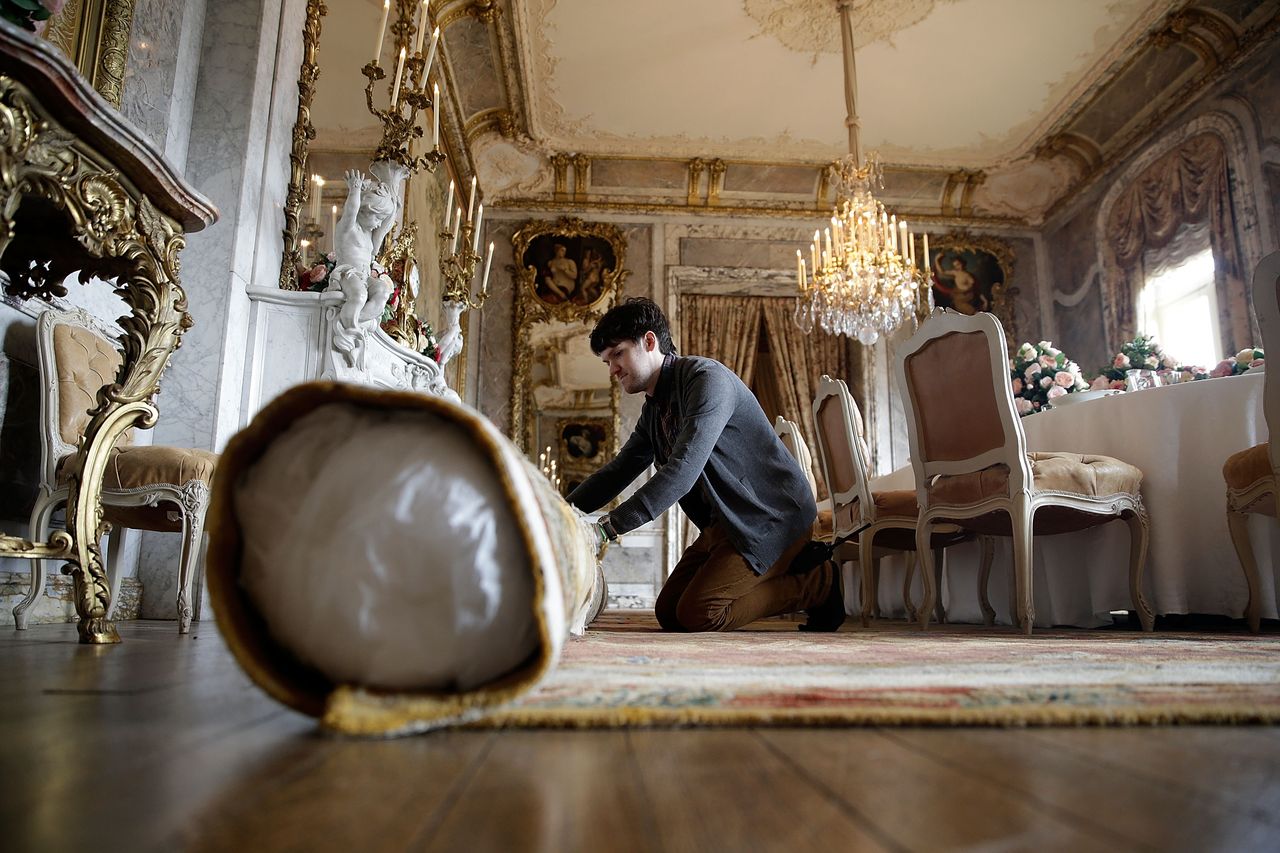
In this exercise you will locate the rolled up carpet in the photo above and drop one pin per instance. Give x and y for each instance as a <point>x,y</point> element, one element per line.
<point>389,562</point>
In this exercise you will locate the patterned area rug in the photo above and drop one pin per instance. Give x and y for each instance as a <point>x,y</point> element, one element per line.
<point>626,673</point>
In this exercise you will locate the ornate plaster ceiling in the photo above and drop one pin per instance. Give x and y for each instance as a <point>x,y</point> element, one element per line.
<point>952,83</point>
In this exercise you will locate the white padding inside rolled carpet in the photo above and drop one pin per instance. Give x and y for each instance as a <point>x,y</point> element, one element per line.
<point>382,550</point>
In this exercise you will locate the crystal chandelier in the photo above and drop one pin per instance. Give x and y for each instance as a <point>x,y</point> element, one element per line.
<point>861,279</point>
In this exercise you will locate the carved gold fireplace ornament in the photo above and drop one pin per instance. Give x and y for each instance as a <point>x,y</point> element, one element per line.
<point>102,202</point>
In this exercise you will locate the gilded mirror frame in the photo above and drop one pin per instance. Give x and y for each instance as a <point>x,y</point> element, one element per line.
<point>1001,294</point>
<point>303,132</point>
<point>94,34</point>
<point>532,308</point>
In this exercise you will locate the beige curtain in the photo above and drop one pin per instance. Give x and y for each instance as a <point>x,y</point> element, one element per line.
<point>1188,185</point>
<point>727,328</point>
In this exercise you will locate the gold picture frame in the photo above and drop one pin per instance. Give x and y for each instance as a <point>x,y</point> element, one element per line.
<point>583,293</point>
<point>94,34</point>
<point>970,273</point>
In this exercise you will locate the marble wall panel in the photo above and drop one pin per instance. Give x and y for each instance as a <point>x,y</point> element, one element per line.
<point>763,254</point>
<point>231,160</point>
<point>751,178</point>
<point>490,342</point>
<point>161,71</point>
<point>646,174</point>
<point>471,57</point>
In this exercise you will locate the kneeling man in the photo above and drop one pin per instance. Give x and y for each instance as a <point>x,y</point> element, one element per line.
<point>716,453</point>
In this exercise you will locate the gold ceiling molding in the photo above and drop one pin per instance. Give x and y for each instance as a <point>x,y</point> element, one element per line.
<point>805,26</point>
<point>541,204</point>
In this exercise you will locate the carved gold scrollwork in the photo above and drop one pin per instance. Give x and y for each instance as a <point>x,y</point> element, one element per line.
<point>715,181</point>
<point>560,162</point>
<point>303,132</point>
<point>118,234</point>
<point>696,166</point>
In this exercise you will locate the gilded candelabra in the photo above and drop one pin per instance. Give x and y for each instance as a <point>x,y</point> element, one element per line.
<point>408,93</point>
<point>458,265</point>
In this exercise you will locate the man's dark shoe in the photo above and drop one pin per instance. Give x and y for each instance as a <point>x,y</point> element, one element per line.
<point>828,614</point>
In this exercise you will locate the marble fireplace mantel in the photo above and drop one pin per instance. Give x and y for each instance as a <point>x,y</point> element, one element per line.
<point>291,342</point>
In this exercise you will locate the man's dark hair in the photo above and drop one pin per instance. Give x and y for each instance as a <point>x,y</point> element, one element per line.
<point>628,322</point>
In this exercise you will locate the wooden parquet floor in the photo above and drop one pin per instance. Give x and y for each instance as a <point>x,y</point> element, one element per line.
<point>163,744</point>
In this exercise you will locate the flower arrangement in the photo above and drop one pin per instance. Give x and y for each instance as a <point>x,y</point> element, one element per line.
<point>316,277</point>
<point>1144,353</point>
<point>1040,374</point>
<point>1247,358</point>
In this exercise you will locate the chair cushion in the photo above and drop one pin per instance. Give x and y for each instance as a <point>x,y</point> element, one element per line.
<point>1075,473</point>
<point>135,467</point>
<point>1247,467</point>
<point>899,502</point>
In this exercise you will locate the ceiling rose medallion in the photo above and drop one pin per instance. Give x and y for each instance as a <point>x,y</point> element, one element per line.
<point>805,25</point>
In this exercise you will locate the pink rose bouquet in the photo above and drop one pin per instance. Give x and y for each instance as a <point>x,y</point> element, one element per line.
<point>1143,353</point>
<point>1040,373</point>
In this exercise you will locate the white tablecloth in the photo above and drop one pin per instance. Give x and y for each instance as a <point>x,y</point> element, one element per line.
<point>1179,436</point>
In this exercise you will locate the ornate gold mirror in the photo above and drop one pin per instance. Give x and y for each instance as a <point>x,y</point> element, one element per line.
<point>568,274</point>
<point>94,34</point>
<point>335,131</point>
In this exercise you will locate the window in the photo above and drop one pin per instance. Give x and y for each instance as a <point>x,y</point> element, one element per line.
<point>1179,303</point>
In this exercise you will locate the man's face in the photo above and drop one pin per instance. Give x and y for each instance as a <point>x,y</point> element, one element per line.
<point>634,364</point>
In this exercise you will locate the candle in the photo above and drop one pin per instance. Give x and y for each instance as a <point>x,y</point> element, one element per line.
<point>902,242</point>
<point>457,228</point>
<point>488,261</point>
<point>382,29</point>
<point>317,184</point>
<point>421,28</point>
<point>395,87</point>
<point>448,207</point>
<point>826,233</point>
<point>435,116</point>
<point>927,263</point>
<point>333,226</point>
<point>471,202</point>
<point>475,243</point>
<point>431,54</point>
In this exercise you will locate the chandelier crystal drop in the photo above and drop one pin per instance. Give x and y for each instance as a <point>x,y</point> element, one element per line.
<point>861,279</point>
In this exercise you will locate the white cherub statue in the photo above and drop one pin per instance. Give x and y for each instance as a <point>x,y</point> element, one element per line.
<point>370,211</point>
<point>450,341</point>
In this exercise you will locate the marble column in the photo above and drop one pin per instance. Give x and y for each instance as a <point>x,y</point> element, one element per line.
<point>243,106</point>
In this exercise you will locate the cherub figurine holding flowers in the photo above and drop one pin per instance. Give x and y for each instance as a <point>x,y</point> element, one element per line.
<point>369,213</point>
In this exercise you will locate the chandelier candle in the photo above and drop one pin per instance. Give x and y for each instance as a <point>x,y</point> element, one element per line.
<point>382,29</point>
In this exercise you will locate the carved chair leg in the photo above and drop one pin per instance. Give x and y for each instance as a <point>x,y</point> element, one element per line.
<point>1238,523</point>
<point>912,615</point>
<point>867,567</point>
<point>984,580</point>
<point>40,516</point>
<point>1023,518</point>
<point>192,531</point>
<point>115,548</point>
<point>875,588</point>
<point>925,555</point>
<point>939,568</point>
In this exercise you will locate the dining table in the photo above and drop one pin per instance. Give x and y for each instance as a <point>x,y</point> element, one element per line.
<point>1179,435</point>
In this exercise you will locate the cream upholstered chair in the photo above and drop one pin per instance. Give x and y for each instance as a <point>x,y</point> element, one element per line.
<point>889,516</point>
<point>145,487</point>
<point>1253,475</point>
<point>789,434</point>
<point>971,462</point>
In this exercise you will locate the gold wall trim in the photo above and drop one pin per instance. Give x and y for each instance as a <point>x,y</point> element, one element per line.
<point>568,206</point>
<point>303,132</point>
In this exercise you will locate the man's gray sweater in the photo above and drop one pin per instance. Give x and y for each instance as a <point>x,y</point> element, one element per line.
<point>718,456</point>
